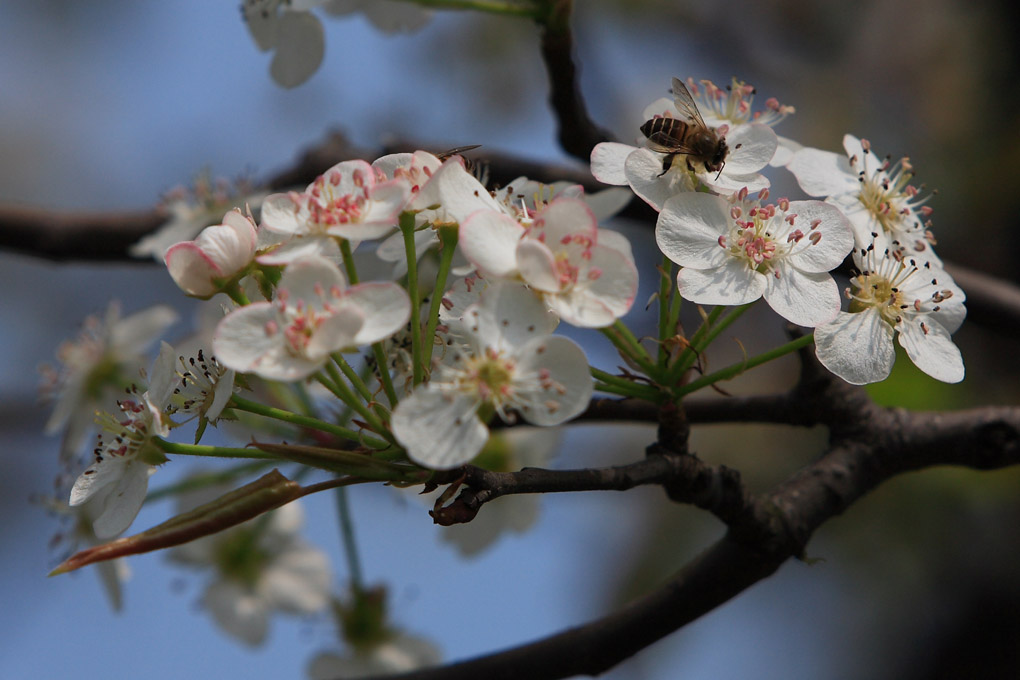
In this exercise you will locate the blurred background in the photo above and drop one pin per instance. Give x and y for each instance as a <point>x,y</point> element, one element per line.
<point>106,105</point>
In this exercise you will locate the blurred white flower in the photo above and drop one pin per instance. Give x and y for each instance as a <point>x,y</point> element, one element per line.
<point>104,358</point>
<point>398,653</point>
<point>295,34</point>
<point>116,483</point>
<point>259,567</point>
<point>193,208</point>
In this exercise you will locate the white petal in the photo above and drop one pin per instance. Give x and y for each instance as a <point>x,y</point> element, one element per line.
<point>489,240</point>
<point>856,347</point>
<point>608,202</point>
<point>124,500</point>
<point>643,170</point>
<point>281,214</point>
<point>304,246</point>
<point>96,477</point>
<point>569,387</point>
<point>607,161</point>
<point>300,45</point>
<point>729,182</point>
<point>836,240</point>
<point>335,332</point>
<point>823,173</point>
<point>237,611</point>
<point>308,277</point>
<point>456,190</point>
<point>439,432</point>
<point>689,227</point>
<point>387,309</point>
<point>804,298</point>
<point>784,152</point>
<point>133,334</point>
<point>243,337</point>
<point>932,350</point>
<point>298,581</point>
<point>509,314</point>
<point>538,265</point>
<point>751,147</point>
<point>733,283</point>
<point>192,269</point>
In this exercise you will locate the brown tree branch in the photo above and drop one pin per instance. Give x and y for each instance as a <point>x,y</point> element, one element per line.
<point>764,531</point>
<point>577,132</point>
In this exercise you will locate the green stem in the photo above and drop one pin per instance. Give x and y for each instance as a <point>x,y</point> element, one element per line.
<point>627,344</point>
<point>347,535</point>
<point>348,258</point>
<point>515,9</point>
<point>211,451</point>
<point>665,330</point>
<point>624,386</point>
<point>353,376</point>
<point>305,421</point>
<point>383,370</point>
<point>736,369</point>
<point>235,293</point>
<point>448,237</point>
<point>407,228</point>
<point>347,396</point>
<point>704,337</point>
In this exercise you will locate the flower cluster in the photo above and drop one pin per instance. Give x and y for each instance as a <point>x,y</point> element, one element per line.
<point>699,165</point>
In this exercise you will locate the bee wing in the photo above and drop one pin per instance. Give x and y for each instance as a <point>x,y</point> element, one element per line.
<point>684,103</point>
<point>663,143</point>
<point>455,151</point>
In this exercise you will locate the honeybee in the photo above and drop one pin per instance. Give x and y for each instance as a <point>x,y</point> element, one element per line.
<point>687,135</point>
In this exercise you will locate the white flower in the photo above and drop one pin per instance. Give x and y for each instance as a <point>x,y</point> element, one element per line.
<point>97,363</point>
<point>733,105</point>
<point>521,198</point>
<point>261,566</point>
<point>750,146</point>
<point>507,450</point>
<point>313,315</point>
<point>205,387</point>
<point>876,195</point>
<point>507,363</point>
<point>195,207</point>
<point>346,201</point>
<point>557,253</point>
<point>895,294</point>
<point>116,483</point>
<point>80,535</point>
<point>733,252</point>
<point>398,653</point>
<point>388,16</point>
<point>202,267</point>
<point>296,35</point>
<point>442,192</point>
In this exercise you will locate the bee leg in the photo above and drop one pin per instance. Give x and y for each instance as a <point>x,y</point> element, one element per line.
<point>667,163</point>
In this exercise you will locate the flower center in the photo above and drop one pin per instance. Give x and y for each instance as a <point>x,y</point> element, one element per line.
<point>876,290</point>
<point>888,195</point>
<point>328,207</point>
